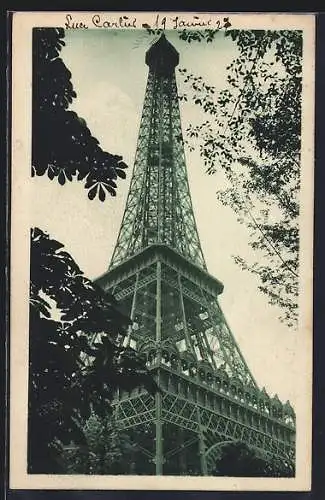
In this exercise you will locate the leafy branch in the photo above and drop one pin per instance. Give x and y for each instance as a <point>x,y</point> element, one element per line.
<point>251,135</point>
<point>62,145</point>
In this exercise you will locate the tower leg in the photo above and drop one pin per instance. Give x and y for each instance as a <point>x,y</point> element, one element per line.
<point>159,437</point>
<point>203,460</point>
<point>182,453</point>
<point>159,431</point>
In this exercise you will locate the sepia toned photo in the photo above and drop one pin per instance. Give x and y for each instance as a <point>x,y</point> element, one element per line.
<point>161,243</point>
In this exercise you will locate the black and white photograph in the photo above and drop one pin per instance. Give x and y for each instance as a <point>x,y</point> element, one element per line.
<point>161,251</point>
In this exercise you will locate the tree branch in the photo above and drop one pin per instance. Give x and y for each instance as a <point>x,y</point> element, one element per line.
<point>275,250</point>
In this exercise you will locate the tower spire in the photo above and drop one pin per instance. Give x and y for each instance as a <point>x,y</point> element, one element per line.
<point>162,57</point>
<point>159,207</point>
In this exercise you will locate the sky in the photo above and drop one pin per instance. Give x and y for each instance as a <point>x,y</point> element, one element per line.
<point>109,76</point>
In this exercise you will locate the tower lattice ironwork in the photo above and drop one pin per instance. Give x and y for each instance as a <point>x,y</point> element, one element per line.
<point>158,274</point>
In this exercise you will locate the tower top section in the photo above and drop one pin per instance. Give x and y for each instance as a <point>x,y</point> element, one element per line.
<point>162,57</point>
<point>159,209</point>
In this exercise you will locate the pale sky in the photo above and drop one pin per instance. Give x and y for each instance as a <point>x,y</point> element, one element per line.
<point>109,75</point>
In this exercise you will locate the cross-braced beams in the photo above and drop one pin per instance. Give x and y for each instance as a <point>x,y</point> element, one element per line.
<point>207,426</point>
<point>209,391</point>
<point>159,276</point>
<point>159,207</point>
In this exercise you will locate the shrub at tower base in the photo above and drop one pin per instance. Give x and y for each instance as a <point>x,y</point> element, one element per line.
<point>75,365</point>
<point>106,451</point>
<point>237,459</point>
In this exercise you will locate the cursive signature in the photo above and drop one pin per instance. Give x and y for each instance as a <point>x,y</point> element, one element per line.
<point>98,21</point>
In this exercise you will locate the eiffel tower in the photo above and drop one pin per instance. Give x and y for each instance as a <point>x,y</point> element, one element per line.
<point>160,278</point>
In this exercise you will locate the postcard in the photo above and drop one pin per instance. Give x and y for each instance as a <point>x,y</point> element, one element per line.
<point>161,251</point>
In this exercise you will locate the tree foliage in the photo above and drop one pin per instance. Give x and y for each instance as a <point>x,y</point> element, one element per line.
<point>107,449</point>
<point>237,459</point>
<point>251,134</point>
<point>75,358</point>
<point>76,363</point>
<point>62,145</point>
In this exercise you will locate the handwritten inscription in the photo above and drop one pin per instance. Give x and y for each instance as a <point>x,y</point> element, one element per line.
<point>123,22</point>
<point>98,22</point>
<point>196,22</point>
